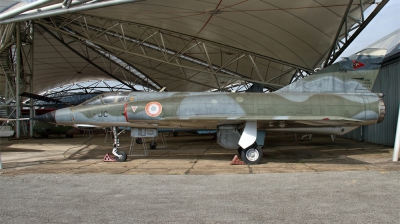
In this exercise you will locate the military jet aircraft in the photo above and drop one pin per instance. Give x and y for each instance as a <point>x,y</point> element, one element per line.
<point>335,100</point>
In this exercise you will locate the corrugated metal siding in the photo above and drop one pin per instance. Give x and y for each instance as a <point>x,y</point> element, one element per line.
<point>388,83</point>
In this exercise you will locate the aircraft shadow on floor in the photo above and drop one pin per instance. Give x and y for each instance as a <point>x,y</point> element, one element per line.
<point>278,149</point>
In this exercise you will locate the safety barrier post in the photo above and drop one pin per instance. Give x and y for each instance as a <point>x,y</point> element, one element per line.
<point>397,140</point>
<point>1,164</point>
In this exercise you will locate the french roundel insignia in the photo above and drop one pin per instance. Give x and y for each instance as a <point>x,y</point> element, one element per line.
<point>153,109</point>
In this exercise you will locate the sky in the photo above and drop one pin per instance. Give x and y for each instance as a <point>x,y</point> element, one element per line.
<point>384,23</point>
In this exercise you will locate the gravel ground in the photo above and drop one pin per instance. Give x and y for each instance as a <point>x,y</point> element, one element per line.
<point>327,197</point>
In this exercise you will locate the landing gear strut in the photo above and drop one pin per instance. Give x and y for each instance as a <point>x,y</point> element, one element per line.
<point>120,155</point>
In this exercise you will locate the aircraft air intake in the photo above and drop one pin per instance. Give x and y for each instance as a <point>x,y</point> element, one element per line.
<point>133,112</point>
<point>49,117</point>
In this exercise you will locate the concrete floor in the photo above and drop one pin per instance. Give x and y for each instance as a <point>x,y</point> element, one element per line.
<point>316,181</point>
<point>191,154</point>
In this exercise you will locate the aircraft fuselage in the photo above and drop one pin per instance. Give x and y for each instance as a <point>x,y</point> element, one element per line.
<point>209,110</point>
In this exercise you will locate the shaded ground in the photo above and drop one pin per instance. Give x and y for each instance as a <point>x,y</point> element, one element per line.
<point>191,154</point>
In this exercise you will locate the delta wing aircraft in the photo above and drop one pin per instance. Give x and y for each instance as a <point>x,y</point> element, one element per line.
<point>335,100</point>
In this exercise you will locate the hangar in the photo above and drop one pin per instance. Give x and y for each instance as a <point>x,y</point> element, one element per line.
<point>179,45</point>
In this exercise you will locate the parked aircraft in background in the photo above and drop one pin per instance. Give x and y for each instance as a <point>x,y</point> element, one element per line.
<point>44,130</point>
<point>335,100</point>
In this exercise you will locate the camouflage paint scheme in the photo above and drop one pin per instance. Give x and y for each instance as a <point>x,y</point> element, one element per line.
<point>208,110</point>
<point>327,99</point>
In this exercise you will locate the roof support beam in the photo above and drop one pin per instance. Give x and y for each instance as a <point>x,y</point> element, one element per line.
<point>115,47</point>
<point>57,12</point>
<point>255,68</point>
<point>231,62</point>
<point>208,42</point>
<point>156,40</point>
<point>121,63</point>
<point>344,21</point>
<point>338,45</point>
<point>24,8</point>
<point>85,58</point>
<point>210,65</point>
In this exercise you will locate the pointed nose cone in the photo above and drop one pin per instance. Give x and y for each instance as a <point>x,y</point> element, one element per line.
<point>47,117</point>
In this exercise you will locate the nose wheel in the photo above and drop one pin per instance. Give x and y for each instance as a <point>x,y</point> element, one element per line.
<point>121,156</point>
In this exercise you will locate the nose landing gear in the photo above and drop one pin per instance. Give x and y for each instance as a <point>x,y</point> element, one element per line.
<point>120,155</point>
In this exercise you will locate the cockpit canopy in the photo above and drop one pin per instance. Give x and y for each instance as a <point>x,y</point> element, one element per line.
<point>108,98</point>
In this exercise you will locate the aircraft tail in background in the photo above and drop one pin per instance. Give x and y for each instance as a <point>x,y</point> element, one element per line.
<point>354,74</point>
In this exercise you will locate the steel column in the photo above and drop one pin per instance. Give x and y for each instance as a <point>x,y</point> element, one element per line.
<point>17,84</point>
<point>344,21</point>
<point>32,109</point>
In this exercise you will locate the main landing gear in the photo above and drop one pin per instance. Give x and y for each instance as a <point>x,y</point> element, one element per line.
<point>120,155</point>
<point>153,144</point>
<point>139,140</point>
<point>252,154</point>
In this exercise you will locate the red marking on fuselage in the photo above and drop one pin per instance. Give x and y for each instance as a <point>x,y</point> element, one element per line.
<point>125,112</point>
<point>357,64</point>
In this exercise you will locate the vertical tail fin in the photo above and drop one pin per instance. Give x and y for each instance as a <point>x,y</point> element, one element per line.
<point>256,88</point>
<point>356,73</point>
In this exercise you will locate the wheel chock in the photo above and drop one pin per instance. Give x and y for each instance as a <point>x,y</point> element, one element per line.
<point>237,161</point>
<point>108,158</point>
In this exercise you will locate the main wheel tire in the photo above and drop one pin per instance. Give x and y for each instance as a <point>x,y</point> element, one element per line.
<point>153,145</point>
<point>123,158</point>
<point>252,155</point>
<point>139,141</point>
<point>240,149</point>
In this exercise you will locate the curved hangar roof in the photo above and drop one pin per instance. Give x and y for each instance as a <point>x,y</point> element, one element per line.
<point>185,45</point>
